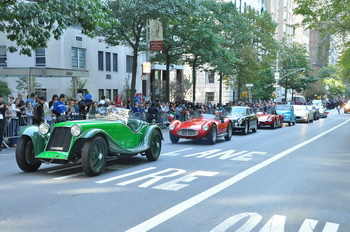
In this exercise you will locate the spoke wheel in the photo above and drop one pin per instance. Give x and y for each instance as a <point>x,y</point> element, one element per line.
<point>229,132</point>
<point>94,156</point>
<point>212,135</point>
<point>25,155</point>
<point>153,152</point>
<point>246,128</point>
<point>173,138</point>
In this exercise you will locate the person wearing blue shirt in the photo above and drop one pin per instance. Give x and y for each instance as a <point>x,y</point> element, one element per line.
<point>88,97</point>
<point>31,99</point>
<point>60,108</point>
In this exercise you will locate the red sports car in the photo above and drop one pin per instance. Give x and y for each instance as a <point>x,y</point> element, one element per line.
<point>207,126</point>
<point>271,119</point>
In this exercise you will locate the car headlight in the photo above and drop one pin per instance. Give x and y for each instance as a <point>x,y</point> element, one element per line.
<point>205,127</point>
<point>75,130</point>
<point>44,128</point>
<point>239,121</point>
<point>171,127</point>
<point>269,120</point>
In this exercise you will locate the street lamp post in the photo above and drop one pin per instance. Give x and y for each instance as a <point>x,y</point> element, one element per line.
<point>249,88</point>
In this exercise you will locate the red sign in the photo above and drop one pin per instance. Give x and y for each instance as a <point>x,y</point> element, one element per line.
<point>156,46</point>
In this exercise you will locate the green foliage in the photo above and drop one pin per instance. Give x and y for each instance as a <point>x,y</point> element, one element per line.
<point>30,24</point>
<point>22,85</point>
<point>4,88</point>
<point>335,84</point>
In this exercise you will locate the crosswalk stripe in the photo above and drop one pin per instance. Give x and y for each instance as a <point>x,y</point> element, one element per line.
<point>330,227</point>
<point>308,225</point>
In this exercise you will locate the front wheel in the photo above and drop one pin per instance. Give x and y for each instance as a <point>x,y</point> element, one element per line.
<point>94,156</point>
<point>173,138</point>
<point>212,135</point>
<point>229,132</point>
<point>246,129</point>
<point>153,152</point>
<point>25,155</point>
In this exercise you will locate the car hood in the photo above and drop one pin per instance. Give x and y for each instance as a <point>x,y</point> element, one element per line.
<point>197,122</point>
<point>264,117</point>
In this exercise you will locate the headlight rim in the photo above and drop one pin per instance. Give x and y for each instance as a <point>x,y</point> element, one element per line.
<point>47,128</point>
<point>205,127</point>
<point>171,127</point>
<point>75,133</point>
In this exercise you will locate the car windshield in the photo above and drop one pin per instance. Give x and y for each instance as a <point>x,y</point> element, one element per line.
<point>237,111</point>
<point>300,107</point>
<point>283,107</point>
<point>210,116</point>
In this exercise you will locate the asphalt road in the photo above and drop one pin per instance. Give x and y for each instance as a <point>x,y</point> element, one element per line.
<point>289,179</point>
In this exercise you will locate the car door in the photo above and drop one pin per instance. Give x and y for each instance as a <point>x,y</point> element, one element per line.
<point>252,118</point>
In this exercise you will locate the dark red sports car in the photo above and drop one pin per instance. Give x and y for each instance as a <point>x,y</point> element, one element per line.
<point>207,126</point>
<point>270,119</point>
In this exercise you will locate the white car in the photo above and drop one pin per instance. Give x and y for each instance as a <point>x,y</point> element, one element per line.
<point>303,113</point>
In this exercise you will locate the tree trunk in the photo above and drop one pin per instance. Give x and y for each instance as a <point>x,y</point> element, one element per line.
<point>133,78</point>
<point>194,65</point>
<point>285,90</point>
<point>167,78</point>
<point>220,88</point>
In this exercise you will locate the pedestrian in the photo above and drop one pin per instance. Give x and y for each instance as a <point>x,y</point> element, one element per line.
<point>54,99</point>
<point>14,121</point>
<point>60,108</point>
<point>88,98</point>
<point>32,99</point>
<point>3,109</point>
<point>338,108</point>
<point>39,114</point>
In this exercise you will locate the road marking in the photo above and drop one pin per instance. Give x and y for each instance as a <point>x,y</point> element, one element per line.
<point>175,153</point>
<point>276,223</point>
<point>308,225</point>
<point>63,169</point>
<point>69,176</point>
<point>253,220</point>
<point>122,176</point>
<point>179,208</point>
<point>330,227</point>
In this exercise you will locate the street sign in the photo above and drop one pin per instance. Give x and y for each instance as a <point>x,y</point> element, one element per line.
<point>146,67</point>
<point>277,75</point>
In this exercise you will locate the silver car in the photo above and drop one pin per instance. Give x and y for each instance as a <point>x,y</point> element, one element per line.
<point>303,113</point>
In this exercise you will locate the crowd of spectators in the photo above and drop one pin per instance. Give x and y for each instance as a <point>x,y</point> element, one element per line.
<point>35,109</point>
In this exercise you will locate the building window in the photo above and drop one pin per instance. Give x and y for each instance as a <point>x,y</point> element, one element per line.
<point>78,58</point>
<point>100,61</point>
<point>3,56</point>
<point>108,76</point>
<point>101,92</point>
<point>210,76</point>
<point>40,60</point>
<point>129,63</point>
<point>108,61</point>
<point>115,62</point>
<point>109,94</point>
<point>209,96</point>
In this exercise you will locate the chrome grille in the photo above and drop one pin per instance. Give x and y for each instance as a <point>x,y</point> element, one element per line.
<point>60,139</point>
<point>187,132</point>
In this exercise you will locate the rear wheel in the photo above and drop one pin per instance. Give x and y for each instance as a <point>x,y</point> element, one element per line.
<point>25,155</point>
<point>229,132</point>
<point>153,152</point>
<point>173,138</point>
<point>274,125</point>
<point>94,156</point>
<point>212,135</point>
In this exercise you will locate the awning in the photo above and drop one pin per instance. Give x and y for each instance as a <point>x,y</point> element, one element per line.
<point>43,72</point>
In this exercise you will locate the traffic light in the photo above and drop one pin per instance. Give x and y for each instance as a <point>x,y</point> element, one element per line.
<point>244,94</point>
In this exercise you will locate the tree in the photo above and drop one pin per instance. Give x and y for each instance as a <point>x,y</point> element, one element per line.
<point>294,61</point>
<point>330,17</point>
<point>335,85</point>
<point>179,90</point>
<point>4,88</point>
<point>23,85</point>
<point>30,24</point>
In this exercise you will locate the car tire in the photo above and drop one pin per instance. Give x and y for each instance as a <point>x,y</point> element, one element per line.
<point>212,135</point>
<point>289,123</point>
<point>94,156</point>
<point>173,138</point>
<point>246,129</point>
<point>274,125</point>
<point>153,152</point>
<point>229,132</point>
<point>25,155</point>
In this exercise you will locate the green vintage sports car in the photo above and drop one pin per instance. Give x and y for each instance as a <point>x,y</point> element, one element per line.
<point>88,142</point>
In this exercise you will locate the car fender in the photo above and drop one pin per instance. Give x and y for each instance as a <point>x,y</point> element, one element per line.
<point>39,140</point>
<point>148,135</point>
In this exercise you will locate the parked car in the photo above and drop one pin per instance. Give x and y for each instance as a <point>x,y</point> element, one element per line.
<point>315,111</point>
<point>347,107</point>
<point>287,111</point>
<point>303,113</point>
<point>243,118</point>
<point>322,111</point>
<point>208,126</point>
<point>88,142</point>
<point>270,119</point>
